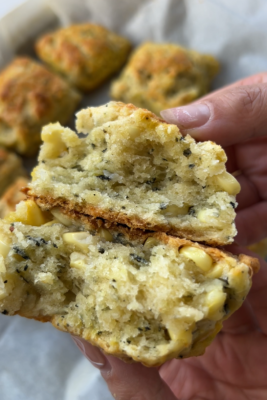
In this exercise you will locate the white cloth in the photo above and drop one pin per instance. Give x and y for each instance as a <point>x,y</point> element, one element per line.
<point>36,361</point>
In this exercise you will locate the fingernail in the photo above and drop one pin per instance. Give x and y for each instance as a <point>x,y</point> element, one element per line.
<point>187,117</point>
<point>93,354</point>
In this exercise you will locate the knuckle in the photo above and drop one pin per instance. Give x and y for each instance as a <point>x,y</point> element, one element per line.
<point>253,99</point>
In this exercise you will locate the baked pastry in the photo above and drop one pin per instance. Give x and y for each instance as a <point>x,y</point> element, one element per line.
<point>135,169</point>
<point>10,168</point>
<point>141,296</point>
<point>160,76</point>
<point>85,54</point>
<point>12,196</point>
<point>30,97</point>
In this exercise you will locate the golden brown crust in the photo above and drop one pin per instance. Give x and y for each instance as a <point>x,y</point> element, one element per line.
<point>12,196</point>
<point>160,76</point>
<point>86,54</point>
<point>10,168</point>
<point>30,97</point>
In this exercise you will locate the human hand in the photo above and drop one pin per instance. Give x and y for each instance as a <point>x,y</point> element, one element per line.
<point>234,366</point>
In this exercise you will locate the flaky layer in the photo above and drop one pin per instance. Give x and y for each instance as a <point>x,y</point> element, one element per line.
<point>145,298</point>
<point>135,169</point>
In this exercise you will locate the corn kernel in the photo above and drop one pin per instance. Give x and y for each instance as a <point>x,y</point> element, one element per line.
<point>228,183</point>
<point>207,214</point>
<point>200,257</point>
<point>63,219</point>
<point>150,242</point>
<point>5,243</point>
<point>216,272</point>
<point>78,264</point>
<point>181,335</point>
<point>215,300</point>
<point>28,213</point>
<point>174,211</point>
<point>105,234</point>
<point>77,239</point>
<point>45,277</point>
<point>53,143</point>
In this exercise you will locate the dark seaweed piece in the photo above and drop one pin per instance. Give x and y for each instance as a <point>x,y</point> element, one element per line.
<point>147,328</point>
<point>155,189</point>
<point>103,151</point>
<point>226,309</point>
<point>99,333</point>
<point>128,341</point>
<point>54,245</point>
<point>93,145</point>
<point>78,168</point>
<point>187,152</point>
<point>5,312</point>
<point>151,181</point>
<point>104,177</point>
<point>139,259</point>
<point>224,280</point>
<point>5,281</point>
<point>192,211</point>
<point>114,280</point>
<point>163,206</point>
<point>191,166</point>
<point>182,139</point>
<point>140,329</point>
<point>37,241</point>
<point>232,204</point>
<point>26,267</point>
<point>101,250</point>
<point>20,252</point>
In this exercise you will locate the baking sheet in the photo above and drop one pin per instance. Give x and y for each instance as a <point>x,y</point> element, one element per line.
<point>36,361</point>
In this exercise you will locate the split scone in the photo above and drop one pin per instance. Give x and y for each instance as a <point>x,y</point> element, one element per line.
<point>30,97</point>
<point>160,76</point>
<point>140,296</point>
<point>85,54</point>
<point>10,168</point>
<point>12,196</point>
<point>133,168</point>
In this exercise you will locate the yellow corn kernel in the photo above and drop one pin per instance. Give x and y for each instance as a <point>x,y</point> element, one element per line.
<point>2,265</point>
<point>45,277</point>
<point>228,183</point>
<point>5,243</point>
<point>174,211</point>
<point>207,214</point>
<point>216,272</point>
<point>50,223</point>
<point>105,234</point>
<point>215,300</point>
<point>181,335</point>
<point>53,143</point>
<point>200,257</point>
<point>77,239</point>
<point>60,217</point>
<point>151,242</point>
<point>78,264</point>
<point>28,213</point>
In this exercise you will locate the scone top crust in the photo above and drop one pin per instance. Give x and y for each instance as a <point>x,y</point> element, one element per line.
<point>160,76</point>
<point>31,96</point>
<point>12,196</point>
<point>10,168</point>
<point>86,54</point>
<point>135,169</point>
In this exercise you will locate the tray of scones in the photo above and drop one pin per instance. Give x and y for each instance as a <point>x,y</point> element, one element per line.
<point>112,221</point>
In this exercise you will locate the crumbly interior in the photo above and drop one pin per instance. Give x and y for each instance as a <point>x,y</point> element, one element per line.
<point>136,169</point>
<point>147,301</point>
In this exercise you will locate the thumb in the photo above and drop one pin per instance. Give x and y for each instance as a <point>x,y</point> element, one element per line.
<point>229,116</point>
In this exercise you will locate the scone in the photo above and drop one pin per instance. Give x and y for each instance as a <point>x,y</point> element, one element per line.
<point>135,169</point>
<point>141,296</point>
<point>10,168</point>
<point>85,54</point>
<point>160,76</point>
<point>30,97</point>
<point>12,196</point>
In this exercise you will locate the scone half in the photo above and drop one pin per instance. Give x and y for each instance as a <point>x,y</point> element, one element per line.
<point>133,168</point>
<point>141,296</point>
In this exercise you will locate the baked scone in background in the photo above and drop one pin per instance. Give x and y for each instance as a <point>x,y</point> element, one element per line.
<point>85,54</point>
<point>12,196</point>
<point>160,76</point>
<point>30,97</point>
<point>141,296</point>
<point>10,169</point>
<point>135,169</point>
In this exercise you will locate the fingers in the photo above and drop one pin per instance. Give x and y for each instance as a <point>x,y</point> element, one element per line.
<point>241,322</point>
<point>126,381</point>
<point>229,116</point>
<point>251,224</point>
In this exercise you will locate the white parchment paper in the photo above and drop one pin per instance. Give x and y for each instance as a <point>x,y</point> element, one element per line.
<point>36,361</point>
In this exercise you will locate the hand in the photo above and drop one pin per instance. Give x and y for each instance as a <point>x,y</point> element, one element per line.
<point>234,366</point>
